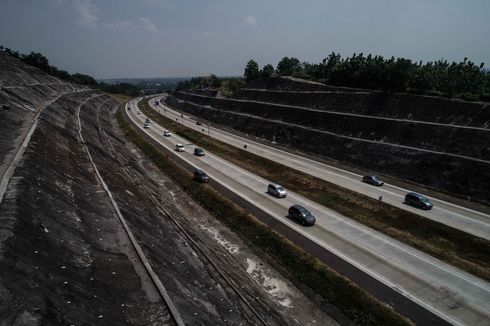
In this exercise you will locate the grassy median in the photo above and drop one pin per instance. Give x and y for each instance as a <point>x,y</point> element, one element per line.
<point>460,249</point>
<point>354,302</point>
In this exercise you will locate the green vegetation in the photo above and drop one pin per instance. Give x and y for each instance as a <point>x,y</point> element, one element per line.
<point>463,79</point>
<point>455,247</point>
<point>39,61</point>
<point>227,85</point>
<point>120,88</point>
<point>251,71</point>
<point>334,288</point>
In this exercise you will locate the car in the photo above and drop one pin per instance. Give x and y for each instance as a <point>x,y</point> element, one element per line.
<point>201,176</point>
<point>198,123</point>
<point>179,147</point>
<point>146,125</point>
<point>147,120</point>
<point>198,151</point>
<point>167,133</point>
<point>372,180</point>
<point>276,190</point>
<point>418,200</point>
<point>302,215</point>
<point>139,112</point>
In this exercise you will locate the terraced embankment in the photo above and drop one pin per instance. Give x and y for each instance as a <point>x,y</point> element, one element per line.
<point>91,232</point>
<point>439,143</point>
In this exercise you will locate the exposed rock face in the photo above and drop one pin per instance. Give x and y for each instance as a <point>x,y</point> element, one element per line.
<point>440,143</point>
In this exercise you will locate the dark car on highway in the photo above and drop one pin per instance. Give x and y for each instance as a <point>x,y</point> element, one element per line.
<point>418,200</point>
<point>198,151</point>
<point>201,176</point>
<point>198,123</point>
<point>302,215</point>
<point>372,180</point>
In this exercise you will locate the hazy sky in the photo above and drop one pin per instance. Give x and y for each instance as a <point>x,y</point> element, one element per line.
<point>169,38</point>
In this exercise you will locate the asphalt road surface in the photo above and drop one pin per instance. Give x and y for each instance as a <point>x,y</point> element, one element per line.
<point>455,296</point>
<point>458,217</point>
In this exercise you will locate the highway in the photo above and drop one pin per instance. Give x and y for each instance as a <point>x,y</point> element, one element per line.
<point>458,217</point>
<point>455,296</point>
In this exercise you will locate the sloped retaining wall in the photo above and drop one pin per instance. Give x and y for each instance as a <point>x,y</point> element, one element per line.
<point>442,172</point>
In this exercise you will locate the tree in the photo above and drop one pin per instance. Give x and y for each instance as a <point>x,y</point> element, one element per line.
<point>84,79</point>
<point>251,71</point>
<point>37,60</point>
<point>267,71</point>
<point>215,81</point>
<point>288,66</point>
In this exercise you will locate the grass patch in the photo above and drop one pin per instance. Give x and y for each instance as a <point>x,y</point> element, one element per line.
<point>120,98</point>
<point>356,303</point>
<point>465,251</point>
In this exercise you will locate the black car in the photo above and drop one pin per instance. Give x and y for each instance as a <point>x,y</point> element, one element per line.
<point>198,151</point>
<point>302,215</point>
<point>198,123</point>
<point>418,200</point>
<point>372,180</point>
<point>201,176</point>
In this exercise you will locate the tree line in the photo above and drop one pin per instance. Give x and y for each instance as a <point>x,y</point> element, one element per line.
<point>227,85</point>
<point>40,61</point>
<point>457,79</point>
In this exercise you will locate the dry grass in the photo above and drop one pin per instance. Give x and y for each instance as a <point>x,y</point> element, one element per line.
<point>120,98</point>
<point>335,289</point>
<point>455,247</point>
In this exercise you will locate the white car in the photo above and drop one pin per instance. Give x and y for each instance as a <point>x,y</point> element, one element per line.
<point>146,126</point>
<point>179,148</point>
<point>167,133</point>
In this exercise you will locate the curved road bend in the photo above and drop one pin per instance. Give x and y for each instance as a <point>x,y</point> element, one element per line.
<point>453,295</point>
<point>458,217</point>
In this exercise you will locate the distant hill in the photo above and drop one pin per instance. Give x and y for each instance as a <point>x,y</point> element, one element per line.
<point>148,85</point>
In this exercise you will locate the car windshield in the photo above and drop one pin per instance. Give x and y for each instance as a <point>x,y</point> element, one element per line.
<point>375,178</point>
<point>304,212</point>
<point>425,200</point>
<point>279,188</point>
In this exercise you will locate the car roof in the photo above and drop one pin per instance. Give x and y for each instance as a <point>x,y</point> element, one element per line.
<point>415,194</point>
<point>299,207</point>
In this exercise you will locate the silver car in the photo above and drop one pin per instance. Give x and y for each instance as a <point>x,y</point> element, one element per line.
<point>276,190</point>
<point>179,147</point>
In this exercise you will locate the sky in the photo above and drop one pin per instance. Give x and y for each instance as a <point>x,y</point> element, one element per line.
<point>181,38</point>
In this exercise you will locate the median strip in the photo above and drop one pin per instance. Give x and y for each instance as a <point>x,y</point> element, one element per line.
<point>354,302</point>
<point>455,247</point>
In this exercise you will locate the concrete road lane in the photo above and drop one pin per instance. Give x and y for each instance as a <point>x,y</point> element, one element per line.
<point>452,294</point>
<point>458,217</point>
